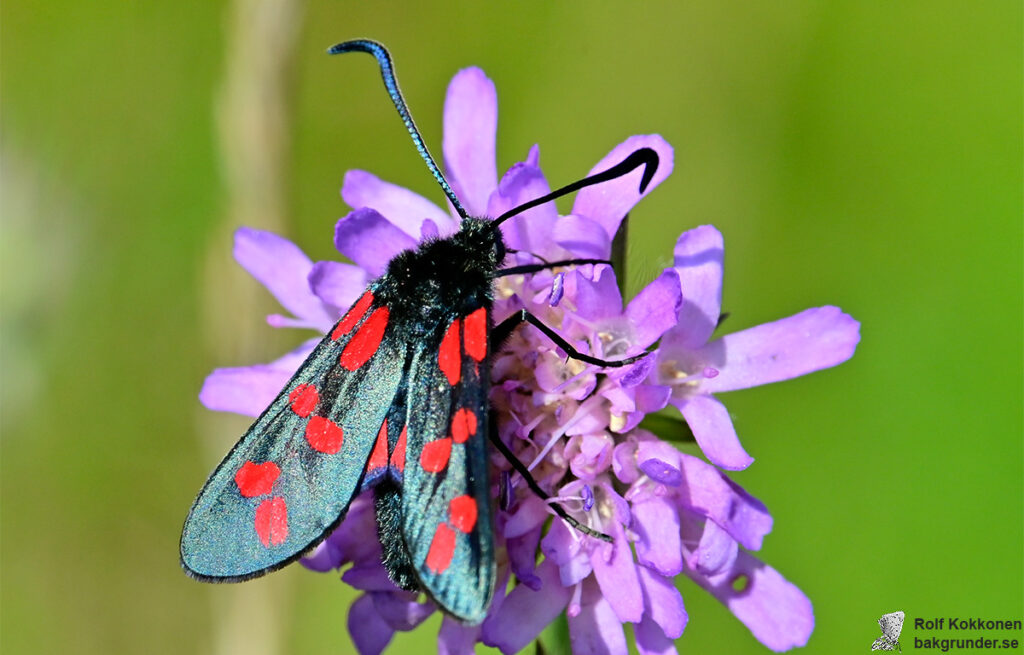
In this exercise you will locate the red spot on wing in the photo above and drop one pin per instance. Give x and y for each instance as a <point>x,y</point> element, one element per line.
<point>442,548</point>
<point>435,454</point>
<point>398,457</point>
<point>476,334</point>
<point>366,340</point>
<point>304,399</point>
<point>272,521</point>
<point>448,356</point>
<point>463,425</point>
<point>353,316</point>
<point>324,435</point>
<point>256,479</point>
<point>379,456</point>
<point>462,510</point>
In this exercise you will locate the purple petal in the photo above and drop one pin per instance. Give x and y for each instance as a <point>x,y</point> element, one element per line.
<point>596,630</point>
<point>370,633</point>
<point>369,576</point>
<point>809,341</point>
<point>402,207</point>
<point>429,230</point>
<point>470,127</point>
<point>599,297</point>
<point>663,603</point>
<point>608,203</point>
<point>531,230</point>
<point>713,430</point>
<point>715,552</point>
<point>588,417</point>
<point>455,638</point>
<point>400,609</point>
<point>652,397</point>
<point>338,285</point>
<point>616,573</point>
<point>621,399</point>
<point>525,612</point>
<point>778,614</point>
<point>564,549</point>
<point>630,421</point>
<point>656,522</point>
<point>662,459</point>
<point>624,462</point>
<point>662,472</point>
<point>361,517</point>
<point>246,390</point>
<point>529,513</point>
<point>283,269</point>
<point>325,557</point>
<point>370,240</point>
<point>698,261</point>
<point>249,390</point>
<point>522,557</point>
<point>710,493</point>
<point>552,375</point>
<point>633,374</point>
<point>582,237</point>
<point>651,640</point>
<point>349,539</point>
<point>655,309</point>
<point>589,454</point>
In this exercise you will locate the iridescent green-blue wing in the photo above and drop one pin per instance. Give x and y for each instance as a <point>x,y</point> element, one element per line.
<point>291,477</point>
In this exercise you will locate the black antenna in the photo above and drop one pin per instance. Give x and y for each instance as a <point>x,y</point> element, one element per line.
<point>387,71</point>
<point>645,157</point>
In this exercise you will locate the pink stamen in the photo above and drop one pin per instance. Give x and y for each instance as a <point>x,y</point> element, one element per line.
<point>574,603</point>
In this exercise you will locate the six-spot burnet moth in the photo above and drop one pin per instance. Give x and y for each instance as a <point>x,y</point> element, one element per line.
<point>395,398</point>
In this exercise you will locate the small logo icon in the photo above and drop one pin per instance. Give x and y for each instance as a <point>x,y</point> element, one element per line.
<point>892,626</point>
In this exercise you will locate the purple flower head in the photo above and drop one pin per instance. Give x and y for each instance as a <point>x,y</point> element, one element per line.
<point>574,425</point>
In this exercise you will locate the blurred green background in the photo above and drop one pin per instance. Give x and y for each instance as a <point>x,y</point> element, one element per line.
<point>853,153</point>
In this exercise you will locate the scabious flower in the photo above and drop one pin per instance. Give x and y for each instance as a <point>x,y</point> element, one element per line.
<point>574,425</point>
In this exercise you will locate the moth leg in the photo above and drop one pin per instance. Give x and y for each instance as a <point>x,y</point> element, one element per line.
<point>533,268</point>
<point>535,488</point>
<point>504,329</point>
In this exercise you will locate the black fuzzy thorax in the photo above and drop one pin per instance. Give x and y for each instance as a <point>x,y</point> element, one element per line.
<point>443,278</point>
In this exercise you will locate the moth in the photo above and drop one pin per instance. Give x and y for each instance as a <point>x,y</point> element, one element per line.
<point>892,626</point>
<point>394,398</point>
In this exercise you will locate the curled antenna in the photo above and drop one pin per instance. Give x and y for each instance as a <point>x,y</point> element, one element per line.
<point>387,71</point>
<point>645,157</point>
